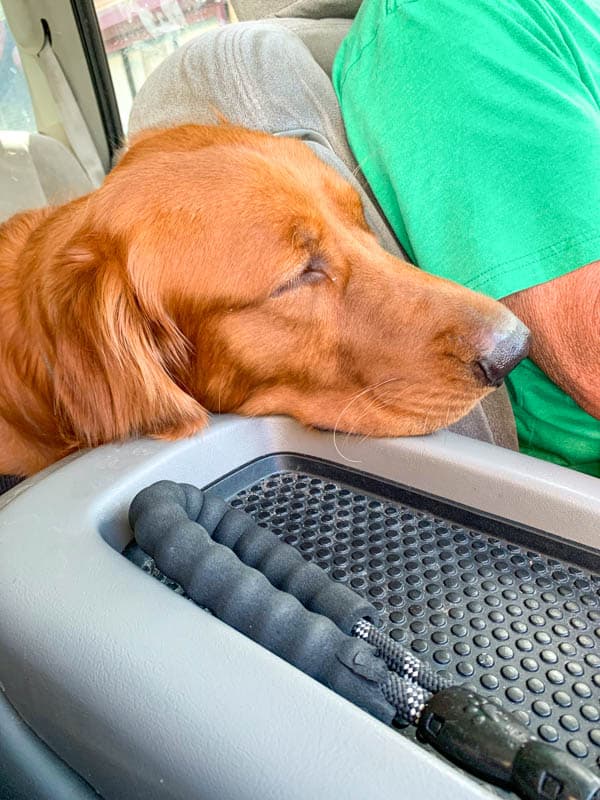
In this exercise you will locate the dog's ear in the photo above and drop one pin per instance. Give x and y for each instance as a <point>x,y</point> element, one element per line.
<point>118,367</point>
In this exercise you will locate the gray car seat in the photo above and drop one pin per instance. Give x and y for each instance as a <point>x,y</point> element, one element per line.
<point>35,171</point>
<point>273,75</point>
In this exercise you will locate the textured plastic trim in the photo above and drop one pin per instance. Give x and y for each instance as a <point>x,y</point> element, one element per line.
<point>143,693</point>
<point>519,624</point>
<point>29,769</point>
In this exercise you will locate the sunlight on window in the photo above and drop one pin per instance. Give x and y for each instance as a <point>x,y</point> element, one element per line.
<point>16,111</point>
<point>139,34</point>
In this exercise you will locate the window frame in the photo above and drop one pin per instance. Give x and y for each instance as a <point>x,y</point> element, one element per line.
<point>90,35</point>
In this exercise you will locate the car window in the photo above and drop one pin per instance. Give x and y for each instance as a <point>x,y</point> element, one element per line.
<point>16,111</point>
<point>139,34</point>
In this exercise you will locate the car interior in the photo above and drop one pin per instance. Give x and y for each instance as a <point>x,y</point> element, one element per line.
<point>481,562</point>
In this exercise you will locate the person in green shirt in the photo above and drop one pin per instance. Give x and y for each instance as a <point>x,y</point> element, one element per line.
<point>477,126</point>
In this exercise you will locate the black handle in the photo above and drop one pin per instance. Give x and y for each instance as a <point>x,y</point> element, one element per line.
<point>485,740</point>
<point>542,771</point>
<point>215,578</point>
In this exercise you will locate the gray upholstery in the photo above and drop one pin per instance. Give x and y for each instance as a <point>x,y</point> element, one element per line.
<point>322,37</point>
<point>36,170</point>
<point>262,75</point>
<point>499,416</point>
<point>310,9</point>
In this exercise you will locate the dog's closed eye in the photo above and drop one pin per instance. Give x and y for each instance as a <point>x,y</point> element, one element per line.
<point>312,272</point>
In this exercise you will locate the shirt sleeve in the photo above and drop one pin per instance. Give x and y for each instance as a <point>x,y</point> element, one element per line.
<point>477,126</point>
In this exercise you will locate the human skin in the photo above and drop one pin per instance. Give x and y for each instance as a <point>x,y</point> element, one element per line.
<point>564,318</point>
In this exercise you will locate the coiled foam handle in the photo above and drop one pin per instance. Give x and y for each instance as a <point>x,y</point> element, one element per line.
<point>163,519</point>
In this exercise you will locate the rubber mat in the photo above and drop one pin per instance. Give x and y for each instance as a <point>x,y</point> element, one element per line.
<point>465,592</point>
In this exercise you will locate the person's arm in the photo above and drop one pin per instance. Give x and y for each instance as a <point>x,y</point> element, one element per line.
<point>564,318</point>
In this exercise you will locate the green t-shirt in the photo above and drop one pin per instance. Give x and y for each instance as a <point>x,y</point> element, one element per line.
<point>477,125</point>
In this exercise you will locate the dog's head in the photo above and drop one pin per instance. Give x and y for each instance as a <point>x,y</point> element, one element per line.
<point>231,270</point>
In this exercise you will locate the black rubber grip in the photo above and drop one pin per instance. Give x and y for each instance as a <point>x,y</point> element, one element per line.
<point>279,562</point>
<point>541,771</point>
<point>163,520</point>
<point>485,740</point>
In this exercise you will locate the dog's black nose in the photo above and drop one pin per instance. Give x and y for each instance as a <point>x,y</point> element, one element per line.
<point>510,349</point>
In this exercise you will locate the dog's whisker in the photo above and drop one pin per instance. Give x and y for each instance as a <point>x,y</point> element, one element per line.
<point>361,416</point>
<point>362,162</point>
<point>382,397</point>
<point>352,400</point>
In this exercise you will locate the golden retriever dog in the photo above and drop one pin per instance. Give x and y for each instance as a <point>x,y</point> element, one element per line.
<point>219,269</point>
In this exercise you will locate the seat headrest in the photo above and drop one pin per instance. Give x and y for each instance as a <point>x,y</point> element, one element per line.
<point>307,9</point>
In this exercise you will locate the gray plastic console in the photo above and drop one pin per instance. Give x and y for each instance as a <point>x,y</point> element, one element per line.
<point>147,696</point>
